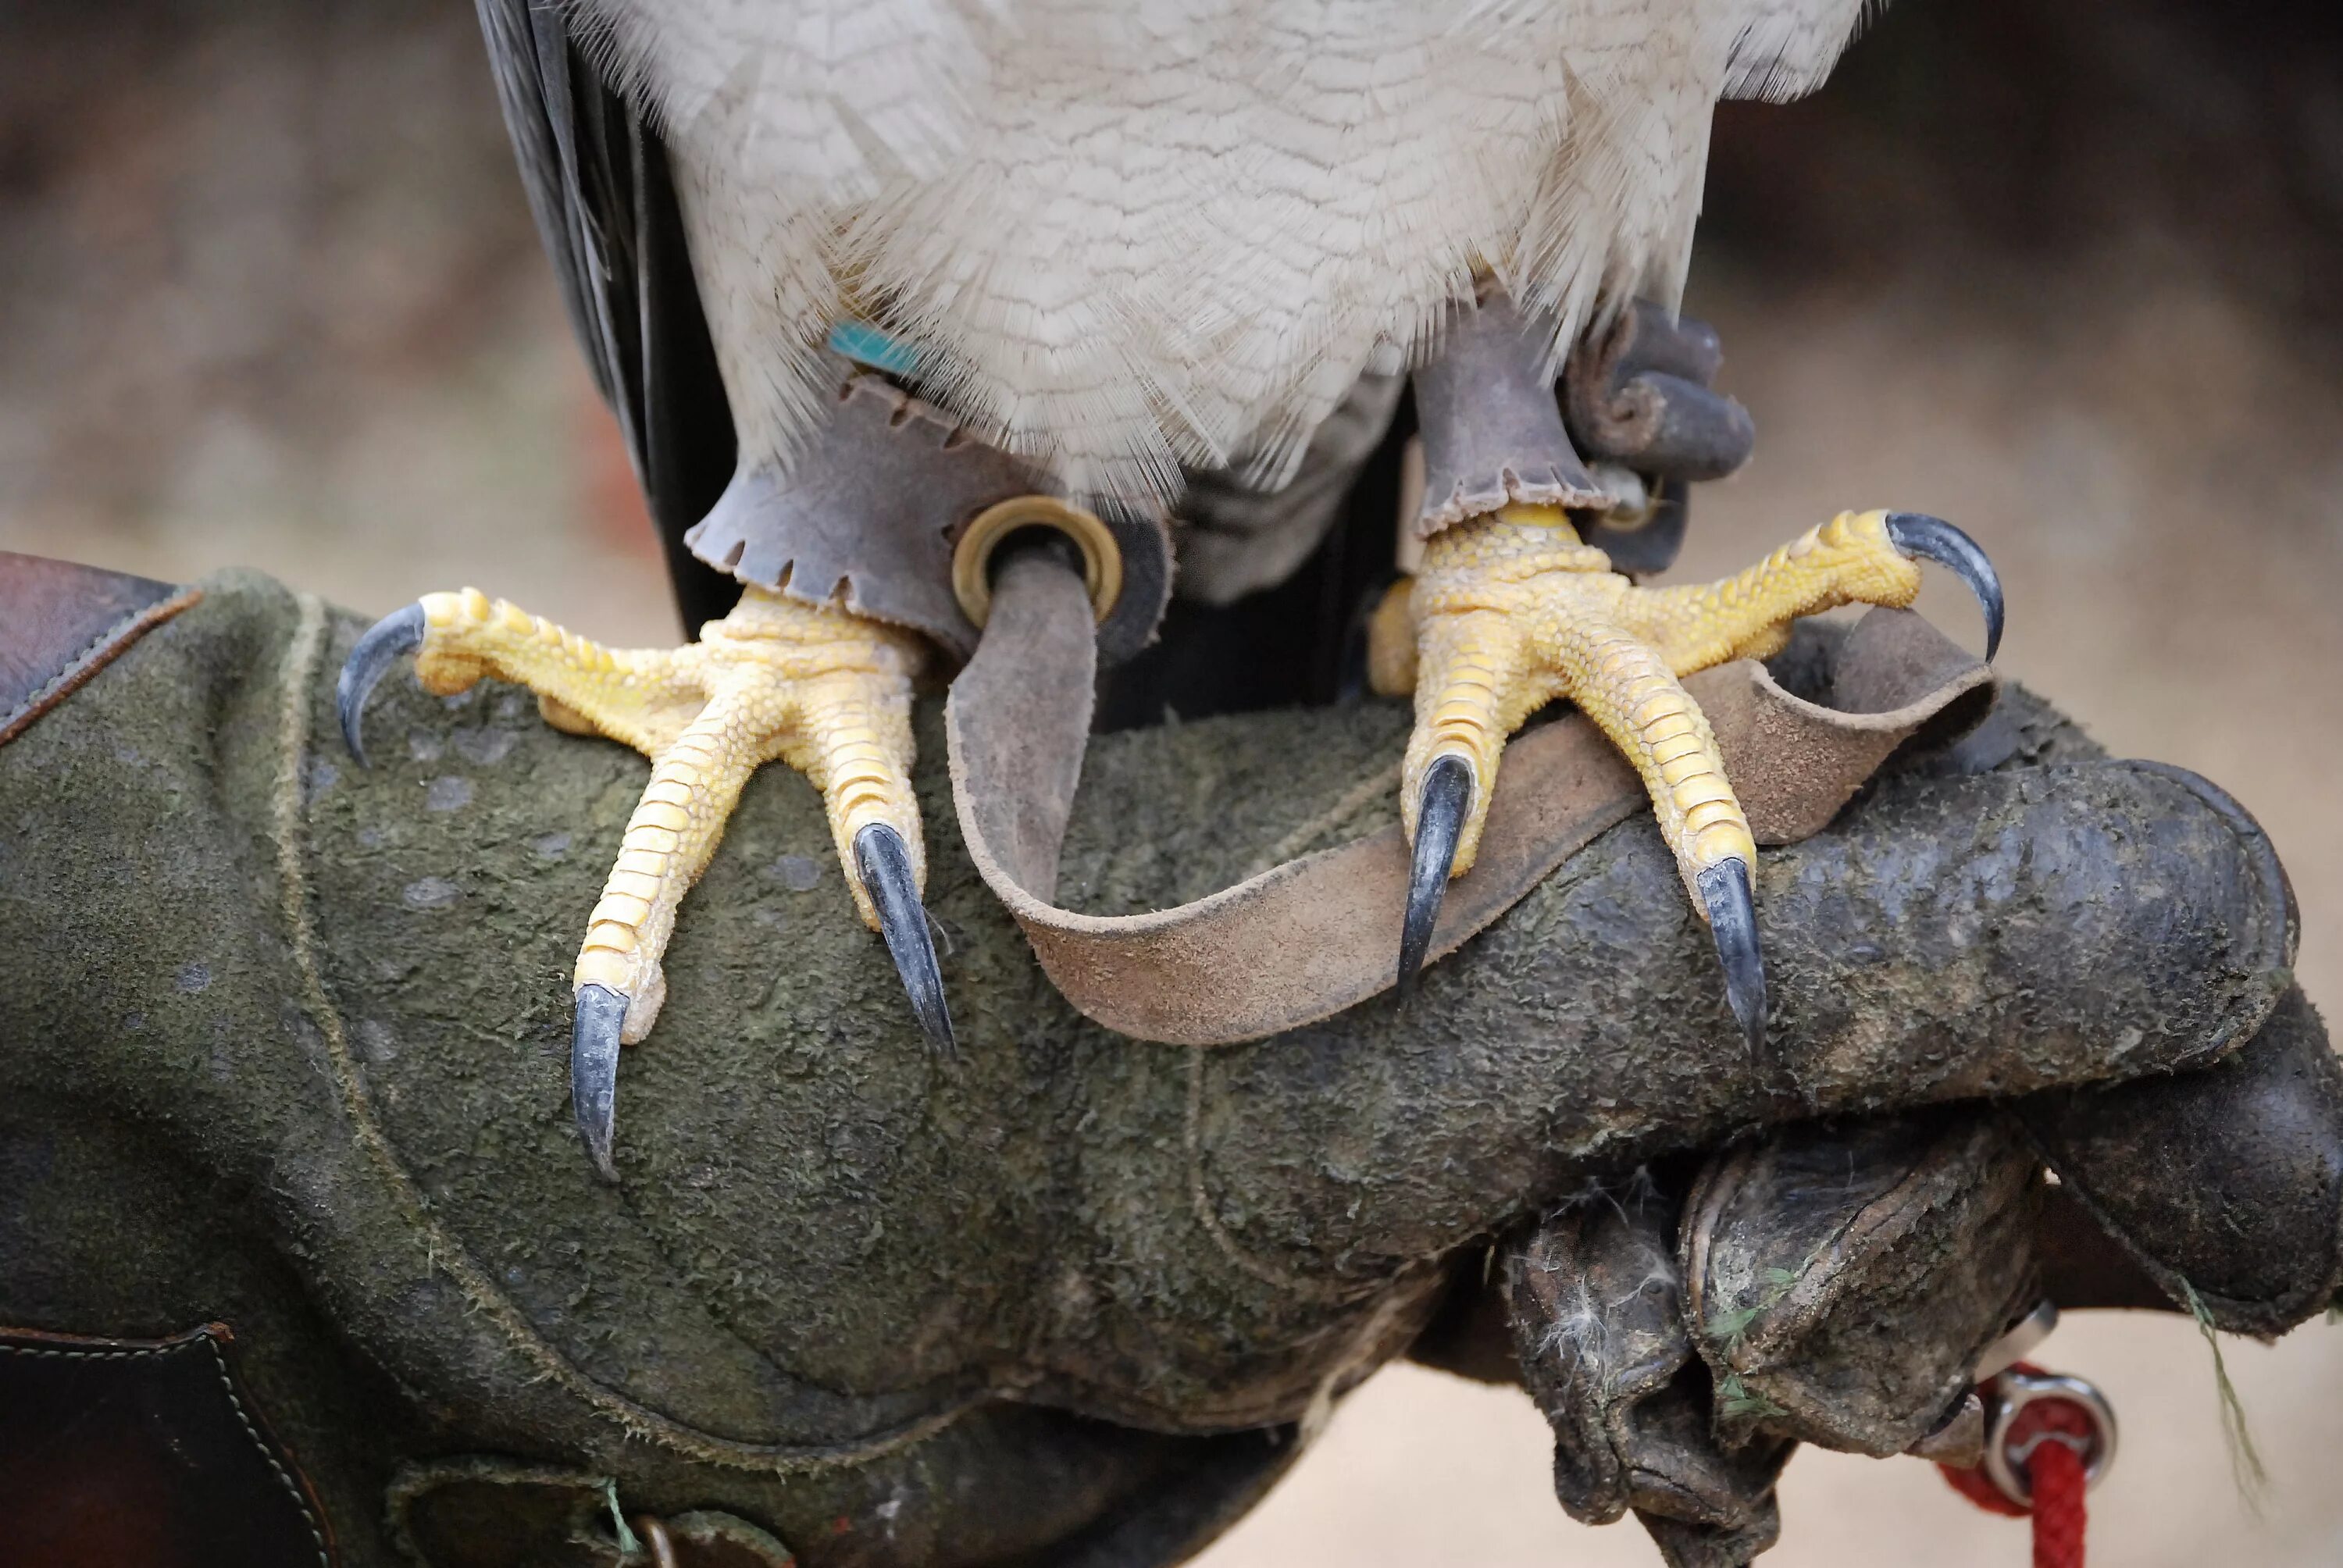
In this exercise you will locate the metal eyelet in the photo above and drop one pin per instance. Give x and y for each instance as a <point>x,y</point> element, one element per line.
<point>1640,498</point>
<point>2010,1394</point>
<point>972,556</point>
<point>656,1539</point>
<point>2018,1343</point>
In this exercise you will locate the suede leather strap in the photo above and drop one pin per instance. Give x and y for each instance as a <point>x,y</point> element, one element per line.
<point>61,623</point>
<point>1493,432</point>
<point>1315,935</point>
<point>1634,395</point>
<point>1638,393</point>
<point>869,517</point>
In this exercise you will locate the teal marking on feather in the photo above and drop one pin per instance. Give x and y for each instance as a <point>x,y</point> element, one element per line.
<point>866,344</point>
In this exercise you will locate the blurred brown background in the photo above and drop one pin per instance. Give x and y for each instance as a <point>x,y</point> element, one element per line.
<point>2071,274</point>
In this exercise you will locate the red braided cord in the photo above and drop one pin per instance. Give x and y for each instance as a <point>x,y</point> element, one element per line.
<point>2054,1471</point>
<point>1979,1489</point>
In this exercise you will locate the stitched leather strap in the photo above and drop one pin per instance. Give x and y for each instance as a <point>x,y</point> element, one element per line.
<point>59,625</point>
<point>1308,937</point>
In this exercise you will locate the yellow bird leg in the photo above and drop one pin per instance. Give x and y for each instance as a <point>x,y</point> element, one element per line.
<point>1512,610</point>
<point>1390,641</point>
<point>1847,560</point>
<point>696,780</point>
<point>827,692</point>
<point>630,695</point>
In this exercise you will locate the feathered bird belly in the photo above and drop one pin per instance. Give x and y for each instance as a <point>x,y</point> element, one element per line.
<point>1131,238</point>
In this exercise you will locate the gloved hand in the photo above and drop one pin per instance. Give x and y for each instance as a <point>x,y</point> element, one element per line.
<point>281,1051</point>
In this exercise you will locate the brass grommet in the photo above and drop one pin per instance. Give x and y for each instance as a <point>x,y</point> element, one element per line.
<point>1631,519</point>
<point>656,1539</point>
<point>972,556</point>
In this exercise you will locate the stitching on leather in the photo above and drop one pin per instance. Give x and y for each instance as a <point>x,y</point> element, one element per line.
<point>297,676</point>
<point>42,693</point>
<point>92,658</point>
<point>244,1418</point>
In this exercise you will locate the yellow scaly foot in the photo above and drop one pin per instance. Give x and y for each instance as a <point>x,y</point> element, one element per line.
<point>827,692</point>
<point>1512,611</point>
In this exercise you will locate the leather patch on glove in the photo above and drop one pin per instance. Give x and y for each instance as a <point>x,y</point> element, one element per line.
<point>144,1454</point>
<point>61,623</point>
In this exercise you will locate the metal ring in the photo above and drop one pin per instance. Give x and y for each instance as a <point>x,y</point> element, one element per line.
<point>655,1537</point>
<point>972,556</point>
<point>2011,1393</point>
<point>1622,520</point>
<point>2018,1343</point>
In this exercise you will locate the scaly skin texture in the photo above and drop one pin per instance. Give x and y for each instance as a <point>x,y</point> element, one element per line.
<point>1512,611</point>
<point>827,692</point>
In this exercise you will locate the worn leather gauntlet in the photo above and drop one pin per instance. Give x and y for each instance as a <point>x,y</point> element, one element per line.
<point>279,1053</point>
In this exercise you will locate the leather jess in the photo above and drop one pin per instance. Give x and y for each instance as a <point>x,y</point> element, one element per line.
<point>1308,937</point>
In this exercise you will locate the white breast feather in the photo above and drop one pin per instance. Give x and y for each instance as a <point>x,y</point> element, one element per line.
<point>1135,234</point>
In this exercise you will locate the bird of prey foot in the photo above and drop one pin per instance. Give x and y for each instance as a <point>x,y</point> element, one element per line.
<point>1512,610</point>
<point>873,287</point>
<point>826,691</point>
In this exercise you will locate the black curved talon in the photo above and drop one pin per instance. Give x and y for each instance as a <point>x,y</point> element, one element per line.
<point>1935,539</point>
<point>885,862</point>
<point>1733,922</point>
<point>387,640</point>
<point>594,1071</point>
<point>1439,823</point>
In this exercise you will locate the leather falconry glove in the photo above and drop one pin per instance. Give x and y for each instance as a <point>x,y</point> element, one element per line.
<point>1068,1300</point>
